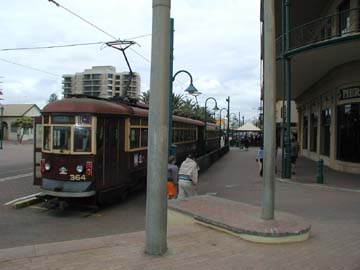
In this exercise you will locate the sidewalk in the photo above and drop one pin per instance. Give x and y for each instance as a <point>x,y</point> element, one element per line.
<point>334,243</point>
<point>306,173</point>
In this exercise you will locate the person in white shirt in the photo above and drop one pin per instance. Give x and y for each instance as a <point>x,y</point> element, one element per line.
<point>188,177</point>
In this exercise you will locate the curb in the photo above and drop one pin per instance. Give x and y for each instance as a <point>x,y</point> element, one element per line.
<point>321,186</point>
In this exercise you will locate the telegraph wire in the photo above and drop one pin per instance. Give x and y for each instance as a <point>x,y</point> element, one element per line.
<point>64,45</point>
<point>93,25</point>
<point>29,67</point>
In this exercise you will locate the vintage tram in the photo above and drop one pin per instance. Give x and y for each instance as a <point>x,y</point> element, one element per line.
<point>97,149</point>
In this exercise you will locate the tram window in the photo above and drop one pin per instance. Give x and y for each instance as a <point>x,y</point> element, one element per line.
<point>62,119</point>
<point>135,121</point>
<point>82,139</point>
<point>144,137</point>
<point>84,120</point>
<point>144,121</point>
<point>61,138</point>
<point>134,138</point>
<point>46,143</point>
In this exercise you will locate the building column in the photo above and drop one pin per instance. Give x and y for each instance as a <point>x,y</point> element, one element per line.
<point>318,139</point>
<point>333,131</point>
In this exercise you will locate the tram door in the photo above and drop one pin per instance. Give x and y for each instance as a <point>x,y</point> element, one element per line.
<point>37,150</point>
<point>112,152</point>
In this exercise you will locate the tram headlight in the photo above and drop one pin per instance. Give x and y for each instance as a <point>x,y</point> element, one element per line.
<point>47,166</point>
<point>79,168</point>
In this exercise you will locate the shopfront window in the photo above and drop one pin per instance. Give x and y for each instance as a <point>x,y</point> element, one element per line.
<point>313,132</point>
<point>305,132</point>
<point>348,139</point>
<point>325,132</point>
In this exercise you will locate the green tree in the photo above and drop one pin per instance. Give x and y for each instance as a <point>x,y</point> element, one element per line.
<point>53,97</point>
<point>23,124</point>
<point>145,97</point>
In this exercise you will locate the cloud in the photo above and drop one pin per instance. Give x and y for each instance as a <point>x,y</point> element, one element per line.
<point>219,43</point>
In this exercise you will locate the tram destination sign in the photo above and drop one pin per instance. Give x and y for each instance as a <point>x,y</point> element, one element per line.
<point>347,94</point>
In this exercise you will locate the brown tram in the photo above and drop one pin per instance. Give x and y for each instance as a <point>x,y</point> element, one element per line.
<point>97,149</point>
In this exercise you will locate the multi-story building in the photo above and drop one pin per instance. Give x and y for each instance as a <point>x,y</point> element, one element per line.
<point>102,81</point>
<point>322,42</point>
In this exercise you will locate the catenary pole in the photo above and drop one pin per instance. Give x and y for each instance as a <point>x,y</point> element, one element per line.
<point>269,110</point>
<point>171,44</point>
<point>156,199</point>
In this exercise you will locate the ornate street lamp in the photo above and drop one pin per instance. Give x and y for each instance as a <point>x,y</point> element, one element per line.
<point>190,90</point>
<point>205,120</point>
<point>220,121</point>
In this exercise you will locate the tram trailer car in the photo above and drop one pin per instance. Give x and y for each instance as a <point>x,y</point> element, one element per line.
<point>96,149</point>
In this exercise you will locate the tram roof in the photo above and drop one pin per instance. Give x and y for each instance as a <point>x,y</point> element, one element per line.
<point>97,106</point>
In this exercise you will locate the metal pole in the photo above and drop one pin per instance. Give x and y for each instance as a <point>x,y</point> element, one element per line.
<point>239,120</point>
<point>283,49</point>
<point>1,126</point>
<point>228,121</point>
<point>205,128</point>
<point>171,150</point>
<point>156,199</point>
<point>288,93</point>
<point>269,103</point>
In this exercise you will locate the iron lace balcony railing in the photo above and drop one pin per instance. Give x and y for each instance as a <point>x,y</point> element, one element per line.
<point>333,26</point>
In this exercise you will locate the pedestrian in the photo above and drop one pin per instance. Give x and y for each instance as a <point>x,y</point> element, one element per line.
<point>246,143</point>
<point>172,178</point>
<point>260,160</point>
<point>188,177</point>
<point>294,154</point>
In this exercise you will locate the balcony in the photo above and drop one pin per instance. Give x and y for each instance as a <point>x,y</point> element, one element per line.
<point>319,46</point>
<point>327,30</point>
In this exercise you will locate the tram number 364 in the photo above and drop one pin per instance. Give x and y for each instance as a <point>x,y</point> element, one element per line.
<point>77,177</point>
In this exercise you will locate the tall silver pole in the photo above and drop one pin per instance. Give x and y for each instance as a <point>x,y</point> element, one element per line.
<point>156,199</point>
<point>269,103</point>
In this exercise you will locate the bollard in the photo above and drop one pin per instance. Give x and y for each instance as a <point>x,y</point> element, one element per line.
<point>320,172</point>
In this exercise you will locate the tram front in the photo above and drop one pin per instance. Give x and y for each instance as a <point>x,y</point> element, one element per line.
<point>68,154</point>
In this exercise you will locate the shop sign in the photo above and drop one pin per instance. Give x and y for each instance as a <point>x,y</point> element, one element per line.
<point>346,94</point>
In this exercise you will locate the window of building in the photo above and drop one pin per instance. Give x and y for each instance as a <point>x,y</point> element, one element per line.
<point>110,76</point>
<point>344,17</point>
<point>325,132</point>
<point>313,131</point>
<point>305,128</point>
<point>13,128</point>
<point>348,135</point>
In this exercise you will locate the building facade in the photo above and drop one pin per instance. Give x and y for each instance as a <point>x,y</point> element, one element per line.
<point>323,52</point>
<point>102,81</point>
<point>12,112</point>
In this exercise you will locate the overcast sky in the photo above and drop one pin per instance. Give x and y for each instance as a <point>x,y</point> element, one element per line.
<point>218,42</point>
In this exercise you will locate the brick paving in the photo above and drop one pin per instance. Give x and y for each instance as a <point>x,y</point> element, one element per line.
<point>334,243</point>
<point>239,217</point>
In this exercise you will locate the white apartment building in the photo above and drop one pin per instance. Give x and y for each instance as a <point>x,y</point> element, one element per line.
<point>102,81</point>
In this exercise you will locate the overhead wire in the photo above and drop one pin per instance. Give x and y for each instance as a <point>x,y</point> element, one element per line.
<point>29,67</point>
<point>98,28</point>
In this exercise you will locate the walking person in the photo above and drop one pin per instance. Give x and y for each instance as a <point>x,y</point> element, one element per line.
<point>172,183</point>
<point>188,177</point>
<point>260,160</point>
<point>294,154</point>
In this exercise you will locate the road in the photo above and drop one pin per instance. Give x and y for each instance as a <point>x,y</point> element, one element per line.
<point>234,177</point>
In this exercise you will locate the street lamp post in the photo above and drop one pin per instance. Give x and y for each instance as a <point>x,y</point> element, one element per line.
<point>215,109</point>
<point>220,121</point>
<point>230,119</point>
<point>1,125</point>
<point>190,89</point>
